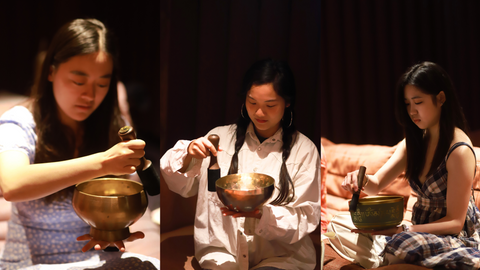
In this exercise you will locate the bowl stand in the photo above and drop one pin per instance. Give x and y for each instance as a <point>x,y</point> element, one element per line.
<point>110,236</point>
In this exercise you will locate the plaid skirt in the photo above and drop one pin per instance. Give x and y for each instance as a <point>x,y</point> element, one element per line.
<point>435,251</point>
<point>438,251</point>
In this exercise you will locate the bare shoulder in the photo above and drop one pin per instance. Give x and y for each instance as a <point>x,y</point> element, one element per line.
<point>460,136</point>
<point>462,154</point>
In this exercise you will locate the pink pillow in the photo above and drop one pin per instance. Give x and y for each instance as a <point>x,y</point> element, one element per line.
<point>345,158</point>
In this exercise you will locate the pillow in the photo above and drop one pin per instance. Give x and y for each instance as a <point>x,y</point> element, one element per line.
<point>345,158</point>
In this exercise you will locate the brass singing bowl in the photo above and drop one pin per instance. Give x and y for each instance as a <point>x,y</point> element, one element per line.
<point>244,192</point>
<point>378,212</point>
<point>109,206</point>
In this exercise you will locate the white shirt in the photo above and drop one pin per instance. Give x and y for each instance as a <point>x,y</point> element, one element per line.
<point>280,238</point>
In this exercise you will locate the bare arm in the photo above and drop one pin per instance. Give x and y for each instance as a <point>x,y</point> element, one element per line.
<point>460,167</point>
<point>384,176</point>
<point>21,181</point>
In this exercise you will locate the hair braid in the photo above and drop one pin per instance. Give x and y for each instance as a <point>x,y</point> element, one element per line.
<point>286,183</point>
<point>242,125</point>
<point>279,74</point>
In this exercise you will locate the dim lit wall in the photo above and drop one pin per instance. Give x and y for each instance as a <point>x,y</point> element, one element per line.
<point>367,45</point>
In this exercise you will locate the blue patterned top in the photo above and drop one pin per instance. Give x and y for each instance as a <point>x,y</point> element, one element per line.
<point>39,232</point>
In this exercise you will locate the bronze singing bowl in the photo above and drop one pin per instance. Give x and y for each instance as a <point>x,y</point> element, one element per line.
<point>378,212</point>
<point>109,206</point>
<point>244,192</point>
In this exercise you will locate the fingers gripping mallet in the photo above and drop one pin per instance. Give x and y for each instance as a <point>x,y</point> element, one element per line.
<point>145,171</point>
<point>353,203</point>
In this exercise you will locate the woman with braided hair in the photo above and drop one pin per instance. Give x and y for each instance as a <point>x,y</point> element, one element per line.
<point>264,140</point>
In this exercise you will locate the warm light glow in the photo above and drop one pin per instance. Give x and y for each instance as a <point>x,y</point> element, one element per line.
<point>245,183</point>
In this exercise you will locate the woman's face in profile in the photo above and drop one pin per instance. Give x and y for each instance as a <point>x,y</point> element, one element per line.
<point>265,108</point>
<point>80,85</point>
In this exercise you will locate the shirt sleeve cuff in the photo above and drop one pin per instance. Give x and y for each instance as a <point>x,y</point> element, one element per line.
<point>177,157</point>
<point>262,225</point>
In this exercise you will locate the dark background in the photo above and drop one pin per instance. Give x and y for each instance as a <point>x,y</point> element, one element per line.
<point>206,47</point>
<point>26,27</point>
<point>367,45</point>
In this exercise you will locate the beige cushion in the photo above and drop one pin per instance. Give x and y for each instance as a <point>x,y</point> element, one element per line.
<point>344,158</point>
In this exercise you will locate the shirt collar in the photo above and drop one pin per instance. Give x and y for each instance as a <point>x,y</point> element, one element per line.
<point>277,137</point>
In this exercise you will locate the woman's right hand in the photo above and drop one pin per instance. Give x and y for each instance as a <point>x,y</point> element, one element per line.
<point>350,183</point>
<point>201,148</point>
<point>123,158</point>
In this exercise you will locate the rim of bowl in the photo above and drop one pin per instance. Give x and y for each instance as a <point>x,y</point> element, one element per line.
<point>107,179</point>
<point>249,189</point>
<point>380,199</point>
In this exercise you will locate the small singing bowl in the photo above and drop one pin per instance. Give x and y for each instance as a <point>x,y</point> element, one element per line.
<point>245,192</point>
<point>378,212</point>
<point>109,206</point>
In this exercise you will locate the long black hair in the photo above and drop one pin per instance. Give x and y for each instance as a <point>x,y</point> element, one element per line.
<point>277,73</point>
<point>56,141</point>
<point>430,79</point>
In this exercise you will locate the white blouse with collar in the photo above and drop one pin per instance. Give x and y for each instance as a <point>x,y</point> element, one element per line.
<point>280,238</point>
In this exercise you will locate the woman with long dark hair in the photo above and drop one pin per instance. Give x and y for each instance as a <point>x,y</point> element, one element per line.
<point>65,133</point>
<point>264,140</point>
<point>439,164</point>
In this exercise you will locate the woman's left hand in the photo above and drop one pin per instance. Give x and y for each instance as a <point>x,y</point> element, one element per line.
<point>235,214</point>
<point>98,245</point>
<point>387,232</point>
